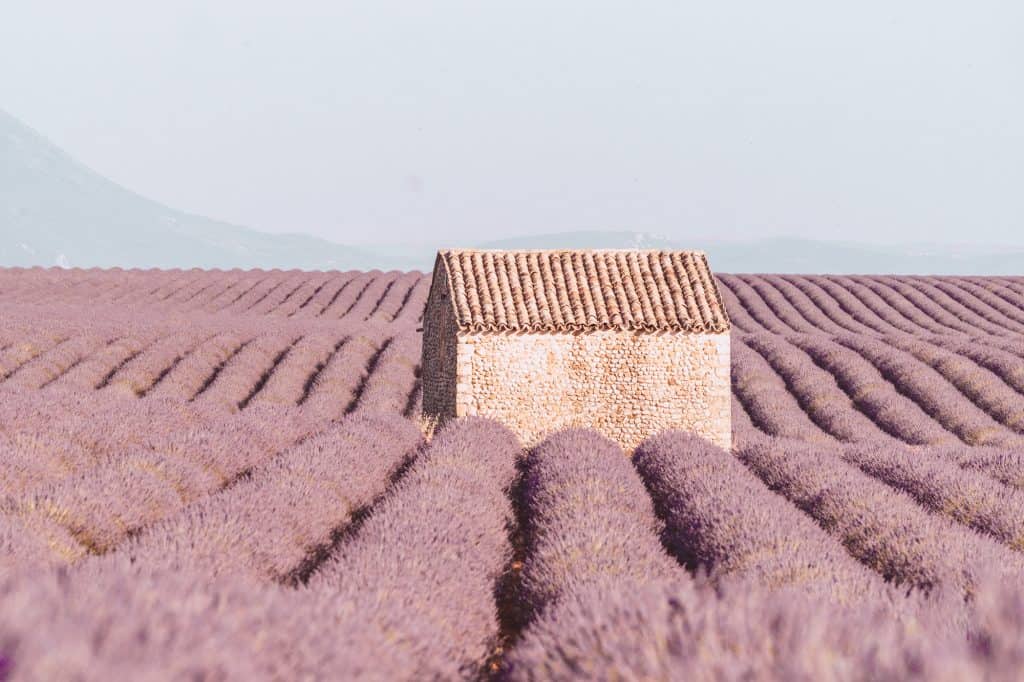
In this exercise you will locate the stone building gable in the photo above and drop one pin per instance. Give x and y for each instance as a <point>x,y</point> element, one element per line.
<point>439,359</point>
<point>627,342</point>
<point>581,291</point>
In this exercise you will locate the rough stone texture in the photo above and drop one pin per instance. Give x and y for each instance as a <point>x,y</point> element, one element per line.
<point>438,361</point>
<point>627,384</point>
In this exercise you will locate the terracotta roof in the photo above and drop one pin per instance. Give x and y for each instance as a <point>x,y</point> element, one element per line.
<point>574,291</point>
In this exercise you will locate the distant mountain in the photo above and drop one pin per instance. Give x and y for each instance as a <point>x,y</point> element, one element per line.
<point>787,255</point>
<point>55,211</point>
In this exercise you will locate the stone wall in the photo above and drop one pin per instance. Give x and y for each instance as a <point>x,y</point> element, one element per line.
<point>627,386</point>
<point>438,360</point>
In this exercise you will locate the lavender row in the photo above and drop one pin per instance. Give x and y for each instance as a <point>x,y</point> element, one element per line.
<point>321,298</point>
<point>139,374</point>
<point>911,299</point>
<point>244,301</point>
<point>187,375</point>
<point>873,305</point>
<point>100,623</point>
<point>49,437</point>
<point>991,294</point>
<point>91,372</point>
<point>873,394</point>
<point>331,391</point>
<point>816,390</point>
<point>1005,466</point>
<point>277,295</point>
<point>967,496</point>
<point>983,388</point>
<point>389,387</point>
<point>739,316</point>
<point>350,294</point>
<point>183,291</point>
<point>302,295</point>
<point>892,309</point>
<point>1012,345</point>
<point>411,309</point>
<point>754,307</point>
<point>111,285</point>
<point>281,294</point>
<point>383,304</point>
<point>414,589</point>
<point>268,525</point>
<point>664,631</point>
<point>1007,366</point>
<point>150,475</point>
<point>953,303</point>
<point>932,392</point>
<point>20,353</point>
<point>968,305</point>
<point>394,299</point>
<point>824,314</point>
<point>238,378</point>
<point>806,304</point>
<point>863,309</point>
<point>100,506</point>
<point>839,307</point>
<point>766,398</point>
<point>371,297</point>
<point>57,432</point>
<point>587,518</point>
<point>743,429</point>
<point>720,516</point>
<point>30,543</point>
<point>287,384</point>
<point>959,308</point>
<point>882,527</point>
<point>51,365</point>
<point>779,304</point>
<point>230,630</point>
<point>792,316</point>
<point>987,298</point>
<point>891,305</point>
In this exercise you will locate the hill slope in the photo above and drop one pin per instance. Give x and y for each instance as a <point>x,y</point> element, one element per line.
<point>55,211</point>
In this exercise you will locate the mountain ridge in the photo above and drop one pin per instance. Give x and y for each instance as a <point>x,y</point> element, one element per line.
<point>55,211</point>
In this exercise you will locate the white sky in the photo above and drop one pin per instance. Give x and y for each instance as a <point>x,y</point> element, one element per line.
<point>386,121</point>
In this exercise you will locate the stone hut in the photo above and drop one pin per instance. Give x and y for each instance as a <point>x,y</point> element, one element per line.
<point>627,342</point>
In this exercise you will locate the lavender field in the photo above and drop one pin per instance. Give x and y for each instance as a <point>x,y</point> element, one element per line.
<point>224,476</point>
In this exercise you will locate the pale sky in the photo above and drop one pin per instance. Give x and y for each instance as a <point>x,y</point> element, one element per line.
<point>384,121</point>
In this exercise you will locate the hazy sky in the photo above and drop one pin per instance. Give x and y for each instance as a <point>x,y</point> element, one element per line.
<point>385,121</point>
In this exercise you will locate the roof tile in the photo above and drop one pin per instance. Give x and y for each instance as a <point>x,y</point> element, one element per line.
<point>577,291</point>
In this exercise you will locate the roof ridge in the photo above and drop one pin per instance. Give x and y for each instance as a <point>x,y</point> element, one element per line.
<point>570,251</point>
